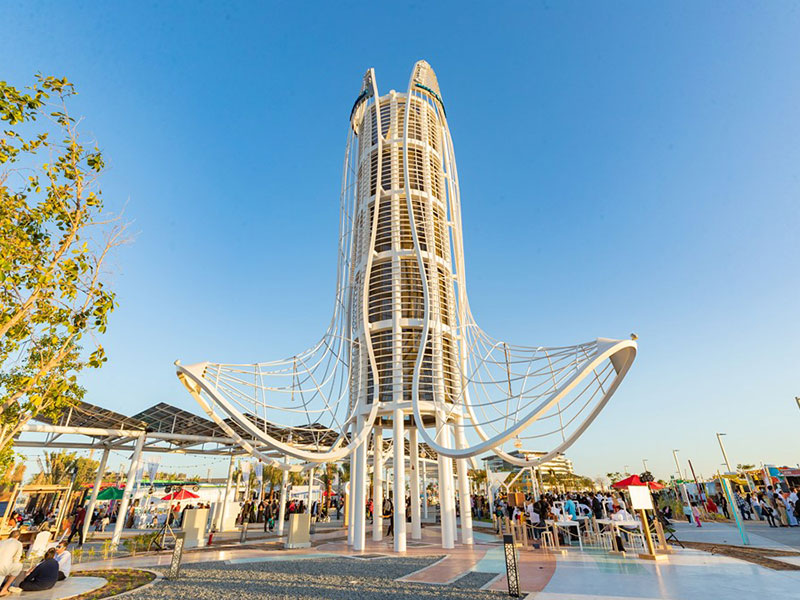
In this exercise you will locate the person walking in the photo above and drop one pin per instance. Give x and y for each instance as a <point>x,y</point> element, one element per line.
<point>77,526</point>
<point>696,514</point>
<point>388,513</point>
<point>767,511</point>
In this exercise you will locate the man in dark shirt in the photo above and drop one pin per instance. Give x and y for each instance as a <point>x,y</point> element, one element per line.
<point>77,526</point>
<point>44,576</point>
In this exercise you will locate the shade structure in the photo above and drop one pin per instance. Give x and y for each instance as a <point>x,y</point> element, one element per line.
<point>111,493</point>
<point>181,494</point>
<point>635,480</point>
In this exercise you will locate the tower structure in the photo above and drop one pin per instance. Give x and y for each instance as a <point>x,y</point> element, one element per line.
<point>403,355</point>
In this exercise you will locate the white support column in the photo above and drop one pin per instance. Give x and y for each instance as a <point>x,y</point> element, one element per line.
<point>224,508</point>
<point>350,504</point>
<point>465,500</point>
<point>399,464</point>
<point>377,484</point>
<point>87,521</point>
<point>416,523</point>
<point>445,491</point>
<point>126,496</point>
<point>310,488</point>
<point>360,493</point>
<point>282,505</point>
<point>425,489</point>
<point>451,482</point>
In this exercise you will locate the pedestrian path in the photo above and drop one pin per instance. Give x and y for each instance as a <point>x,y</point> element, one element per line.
<point>687,575</point>
<point>589,575</point>
<point>725,533</point>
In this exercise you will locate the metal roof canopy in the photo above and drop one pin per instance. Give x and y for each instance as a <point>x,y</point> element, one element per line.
<point>166,428</point>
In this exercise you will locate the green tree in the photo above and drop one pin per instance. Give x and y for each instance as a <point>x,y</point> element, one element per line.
<point>273,476</point>
<point>478,476</point>
<point>58,467</point>
<point>344,471</point>
<point>297,478</point>
<point>53,245</point>
<point>328,476</point>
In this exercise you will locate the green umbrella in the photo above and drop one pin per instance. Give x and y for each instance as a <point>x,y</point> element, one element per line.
<point>111,493</point>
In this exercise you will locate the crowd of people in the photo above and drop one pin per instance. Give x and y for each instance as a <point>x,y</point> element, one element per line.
<point>777,508</point>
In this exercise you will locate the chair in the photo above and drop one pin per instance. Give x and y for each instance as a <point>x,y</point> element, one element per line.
<point>39,545</point>
<point>635,540</point>
<point>547,539</point>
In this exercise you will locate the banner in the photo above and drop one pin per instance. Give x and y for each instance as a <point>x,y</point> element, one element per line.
<point>259,471</point>
<point>244,467</point>
<point>152,470</point>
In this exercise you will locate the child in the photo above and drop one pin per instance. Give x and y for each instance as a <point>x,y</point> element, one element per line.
<point>271,522</point>
<point>696,514</point>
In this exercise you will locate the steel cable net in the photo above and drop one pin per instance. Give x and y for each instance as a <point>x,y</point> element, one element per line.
<point>469,393</point>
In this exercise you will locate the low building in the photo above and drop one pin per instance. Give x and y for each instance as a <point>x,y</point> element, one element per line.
<point>560,465</point>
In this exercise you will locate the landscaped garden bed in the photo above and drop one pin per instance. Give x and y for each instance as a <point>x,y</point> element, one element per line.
<point>118,581</point>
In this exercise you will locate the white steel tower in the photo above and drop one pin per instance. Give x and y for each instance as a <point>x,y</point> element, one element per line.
<point>403,354</point>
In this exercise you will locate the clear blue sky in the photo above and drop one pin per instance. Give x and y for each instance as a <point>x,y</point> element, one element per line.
<point>625,167</point>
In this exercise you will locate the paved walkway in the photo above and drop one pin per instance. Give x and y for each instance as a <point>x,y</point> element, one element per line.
<point>761,535</point>
<point>590,575</point>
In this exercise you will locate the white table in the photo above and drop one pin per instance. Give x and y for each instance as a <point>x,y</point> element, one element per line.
<point>567,524</point>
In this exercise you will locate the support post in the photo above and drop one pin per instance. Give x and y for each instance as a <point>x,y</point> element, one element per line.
<point>310,499</point>
<point>445,489</point>
<point>648,540</point>
<point>350,509</point>
<point>359,493</point>
<point>87,521</point>
<point>126,496</point>
<point>416,523</point>
<point>425,490</point>
<point>399,464</point>
<point>464,498</point>
<point>282,505</point>
<point>377,484</point>
<point>224,508</point>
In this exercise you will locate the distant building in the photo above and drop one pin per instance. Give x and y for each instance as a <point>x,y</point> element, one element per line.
<point>560,465</point>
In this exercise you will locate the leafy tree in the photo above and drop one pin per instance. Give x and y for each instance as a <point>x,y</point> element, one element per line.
<point>53,245</point>
<point>344,471</point>
<point>59,466</point>
<point>272,476</point>
<point>297,478</point>
<point>478,476</point>
<point>328,476</point>
<point>615,476</point>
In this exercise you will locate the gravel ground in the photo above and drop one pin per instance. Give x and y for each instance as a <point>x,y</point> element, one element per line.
<point>312,579</point>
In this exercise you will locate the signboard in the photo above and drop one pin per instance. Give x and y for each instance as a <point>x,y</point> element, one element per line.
<point>640,497</point>
<point>790,472</point>
<point>177,554</point>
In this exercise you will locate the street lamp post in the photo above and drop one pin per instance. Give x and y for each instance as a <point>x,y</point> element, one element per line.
<point>684,493</point>
<point>677,464</point>
<point>724,454</point>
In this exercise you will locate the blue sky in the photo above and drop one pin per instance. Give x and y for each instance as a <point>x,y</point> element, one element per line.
<point>625,167</point>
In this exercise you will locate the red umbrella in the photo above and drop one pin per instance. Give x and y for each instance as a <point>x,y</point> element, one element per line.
<point>181,494</point>
<point>628,481</point>
<point>634,480</point>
